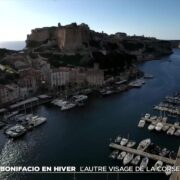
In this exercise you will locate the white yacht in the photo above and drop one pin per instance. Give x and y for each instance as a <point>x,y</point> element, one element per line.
<point>143,145</point>
<point>36,121</point>
<point>121,155</point>
<point>144,163</point>
<point>79,98</point>
<point>136,160</point>
<point>137,83</point>
<point>59,102</point>
<point>141,123</point>
<point>128,158</point>
<point>123,142</point>
<point>67,106</point>
<point>158,164</point>
<point>15,131</point>
<point>177,133</point>
<point>159,126</point>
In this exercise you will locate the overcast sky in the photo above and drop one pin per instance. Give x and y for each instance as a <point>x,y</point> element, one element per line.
<point>157,18</point>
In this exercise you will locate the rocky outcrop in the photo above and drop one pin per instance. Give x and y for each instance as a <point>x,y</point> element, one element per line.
<point>62,44</point>
<point>68,38</point>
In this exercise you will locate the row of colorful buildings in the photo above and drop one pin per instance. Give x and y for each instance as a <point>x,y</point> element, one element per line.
<point>39,75</point>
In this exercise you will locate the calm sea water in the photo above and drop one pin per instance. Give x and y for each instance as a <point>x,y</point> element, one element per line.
<point>81,136</point>
<point>13,45</point>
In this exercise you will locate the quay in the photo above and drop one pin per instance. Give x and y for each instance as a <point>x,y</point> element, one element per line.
<point>27,104</point>
<point>145,154</point>
<point>168,109</point>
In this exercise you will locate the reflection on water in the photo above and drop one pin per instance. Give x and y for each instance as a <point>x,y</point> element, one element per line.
<point>81,136</point>
<point>18,152</point>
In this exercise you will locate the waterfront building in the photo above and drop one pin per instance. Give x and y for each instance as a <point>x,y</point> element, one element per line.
<point>95,76</point>
<point>59,77</point>
<point>9,93</point>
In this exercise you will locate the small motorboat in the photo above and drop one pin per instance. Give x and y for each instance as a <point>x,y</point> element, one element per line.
<point>128,158</point>
<point>136,160</point>
<point>114,154</point>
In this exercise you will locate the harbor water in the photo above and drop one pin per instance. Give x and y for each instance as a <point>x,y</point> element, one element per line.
<point>80,136</point>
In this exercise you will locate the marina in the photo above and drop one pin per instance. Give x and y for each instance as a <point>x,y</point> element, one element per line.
<point>92,126</point>
<point>142,153</point>
<point>160,124</point>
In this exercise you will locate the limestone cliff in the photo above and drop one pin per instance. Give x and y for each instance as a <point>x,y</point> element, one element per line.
<point>79,45</point>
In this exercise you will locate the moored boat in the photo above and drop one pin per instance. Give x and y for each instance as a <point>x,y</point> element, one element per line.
<point>159,126</point>
<point>171,130</point>
<point>131,143</point>
<point>141,123</point>
<point>151,127</point>
<point>15,131</point>
<point>114,154</point>
<point>121,155</point>
<point>124,141</point>
<point>67,106</point>
<point>143,145</point>
<point>177,133</point>
<point>158,164</point>
<point>118,139</point>
<point>165,128</point>
<point>128,158</point>
<point>136,160</point>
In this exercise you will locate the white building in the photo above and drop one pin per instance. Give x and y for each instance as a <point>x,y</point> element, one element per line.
<point>59,77</point>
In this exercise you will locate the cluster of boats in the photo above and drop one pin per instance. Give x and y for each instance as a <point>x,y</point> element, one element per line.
<point>168,108</point>
<point>76,100</point>
<point>26,122</point>
<point>137,83</point>
<point>173,100</point>
<point>160,124</point>
<point>144,145</point>
<point>109,90</point>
